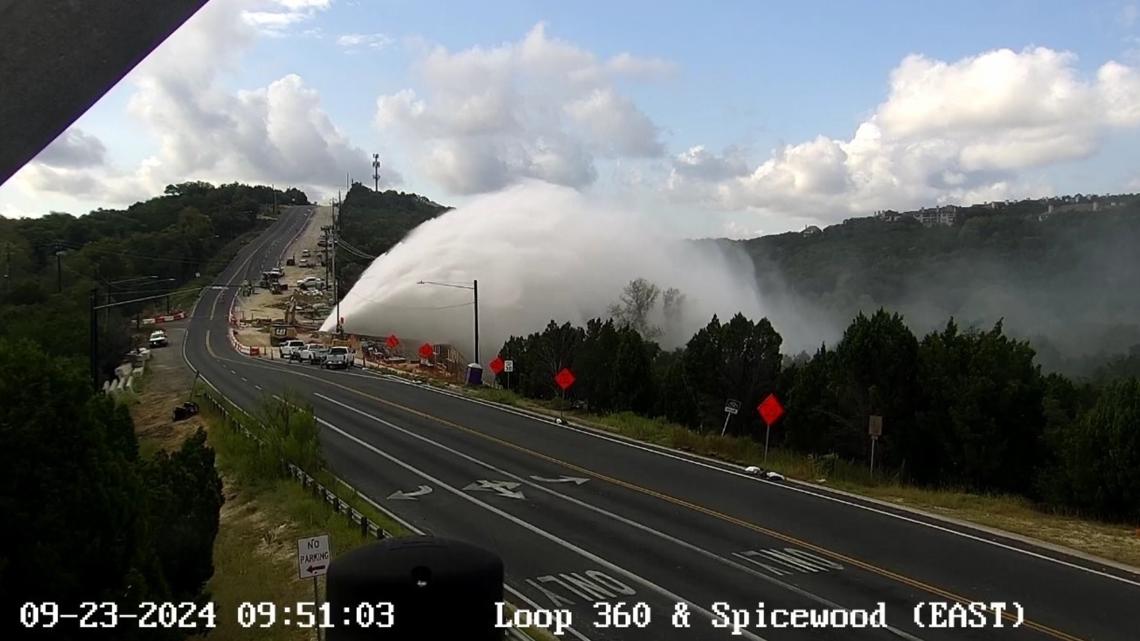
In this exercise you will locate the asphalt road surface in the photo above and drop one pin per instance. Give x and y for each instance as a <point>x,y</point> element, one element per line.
<point>582,518</point>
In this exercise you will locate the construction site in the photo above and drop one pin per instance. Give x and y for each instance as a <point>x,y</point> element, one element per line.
<point>290,301</point>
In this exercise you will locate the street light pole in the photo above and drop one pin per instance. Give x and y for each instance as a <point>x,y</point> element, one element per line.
<point>474,287</point>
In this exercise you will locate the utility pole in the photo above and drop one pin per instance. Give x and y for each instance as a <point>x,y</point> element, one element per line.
<point>476,288</point>
<point>94,340</point>
<point>376,172</point>
<point>335,241</point>
<point>58,269</point>
<point>8,271</point>
<point>274,188</point>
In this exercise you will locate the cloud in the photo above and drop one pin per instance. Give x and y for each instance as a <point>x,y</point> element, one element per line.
<point>961,131</point>
<point>299,5</point>
<point>628,65</point>
<point>353,41</point>
<point>278,133</point>
<point>537,108</point>
<point>274,17</point>
<point>74,148</point>
<point>614,125</point>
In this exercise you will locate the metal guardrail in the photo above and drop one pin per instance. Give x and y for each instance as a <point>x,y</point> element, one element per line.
<point>368,527</point>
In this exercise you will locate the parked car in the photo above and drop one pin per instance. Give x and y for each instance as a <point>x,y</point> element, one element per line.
<point>290,347</point>
<point>305,253</point>
<point>310,281</point>
<point>157,339</point>
<point>339,357</point>
<point>304,262</point>
<point>314,353</point>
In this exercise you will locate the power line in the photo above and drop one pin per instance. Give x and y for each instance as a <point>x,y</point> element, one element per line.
<point>97,250</point>
<point>354,251</point>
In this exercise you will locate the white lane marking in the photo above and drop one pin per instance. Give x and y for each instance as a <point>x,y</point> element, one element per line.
<point>676,598</point>
<point>233,372</point>
<point>576,480</point>
<point>621,519</point>
<point>244,379</point>
<point>720,467</point>
<point>410,496</point>
<point>257,386</point>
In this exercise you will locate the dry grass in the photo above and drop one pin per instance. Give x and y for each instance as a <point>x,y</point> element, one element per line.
<point>165,385</point>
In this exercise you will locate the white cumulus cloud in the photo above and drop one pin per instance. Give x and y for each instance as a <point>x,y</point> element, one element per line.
<point>962,131</point>
<point>277,133</point>
<point>274,17</point>
<point>538,108</point>
<point>352,41</point>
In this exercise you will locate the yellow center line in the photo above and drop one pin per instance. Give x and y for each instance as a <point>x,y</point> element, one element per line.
<point>914,583</point>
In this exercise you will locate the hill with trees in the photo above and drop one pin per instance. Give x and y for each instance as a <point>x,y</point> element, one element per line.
<point>373,222</point>
<point>1061,279</point>
<point>175,242</point>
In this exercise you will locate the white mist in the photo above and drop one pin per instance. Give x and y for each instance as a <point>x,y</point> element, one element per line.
<point>540,252</point>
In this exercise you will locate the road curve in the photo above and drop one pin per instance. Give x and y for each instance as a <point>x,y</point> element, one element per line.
<point>582,518</point>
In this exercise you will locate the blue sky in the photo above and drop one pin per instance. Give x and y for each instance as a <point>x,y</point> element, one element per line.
<point>728,118</point>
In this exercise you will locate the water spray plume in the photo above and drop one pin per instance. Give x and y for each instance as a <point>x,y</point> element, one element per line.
<point>539,252</point>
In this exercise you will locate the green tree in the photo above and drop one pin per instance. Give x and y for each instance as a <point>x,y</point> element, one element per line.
<point>594,364</point>
<point>69,480</point>
<point>982,420</point>
<point>814,423</point>
<point>739,360</point>
<point>184,495</point>
<point>631,376</point>
<point>873,371</point>
<point>1100,455</point>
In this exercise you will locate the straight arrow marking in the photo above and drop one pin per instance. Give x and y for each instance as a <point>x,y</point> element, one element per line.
<point>502,488</point>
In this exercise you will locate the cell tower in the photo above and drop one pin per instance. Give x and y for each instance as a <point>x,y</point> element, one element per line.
<point>376,171</point>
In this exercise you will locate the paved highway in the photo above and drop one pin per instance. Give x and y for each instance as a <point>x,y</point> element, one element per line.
<point>581,518</point>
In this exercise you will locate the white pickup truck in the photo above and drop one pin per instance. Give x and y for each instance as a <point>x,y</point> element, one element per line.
<point>157,339</point>
<point>288,347</point>
<point>314,353</point>
<point>339,357</point>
